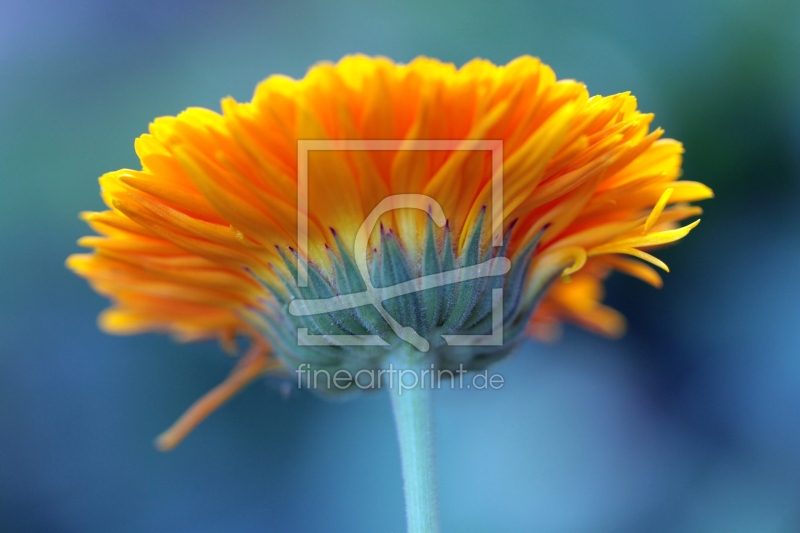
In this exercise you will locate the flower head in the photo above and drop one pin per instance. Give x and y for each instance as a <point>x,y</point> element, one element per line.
<point>229,229</point>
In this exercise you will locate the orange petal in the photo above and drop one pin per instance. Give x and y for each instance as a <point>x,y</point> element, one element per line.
<point>252,365</point>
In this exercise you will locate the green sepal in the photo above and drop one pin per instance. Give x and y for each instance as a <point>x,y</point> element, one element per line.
<point>466,291</point>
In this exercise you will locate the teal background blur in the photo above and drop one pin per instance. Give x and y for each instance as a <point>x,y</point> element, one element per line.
<point>691,423</point>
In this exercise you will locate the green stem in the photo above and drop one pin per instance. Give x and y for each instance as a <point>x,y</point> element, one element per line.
<point>412,403</point>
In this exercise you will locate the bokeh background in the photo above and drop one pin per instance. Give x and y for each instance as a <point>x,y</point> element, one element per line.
<point>691,423</point>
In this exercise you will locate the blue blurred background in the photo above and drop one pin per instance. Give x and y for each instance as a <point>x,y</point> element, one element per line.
<point>691,423</point>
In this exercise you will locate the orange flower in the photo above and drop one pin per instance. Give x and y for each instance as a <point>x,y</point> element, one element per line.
<point>194,243</point>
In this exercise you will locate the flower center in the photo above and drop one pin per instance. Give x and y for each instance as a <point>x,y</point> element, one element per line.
<point>465,310</point>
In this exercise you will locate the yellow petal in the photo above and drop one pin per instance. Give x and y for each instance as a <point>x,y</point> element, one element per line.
<point>634,252</point>
<point>651,239</point>
<point>657,210</point>
<point>634,268</point>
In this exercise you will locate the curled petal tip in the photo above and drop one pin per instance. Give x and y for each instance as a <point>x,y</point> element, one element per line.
<point>166,442</point>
